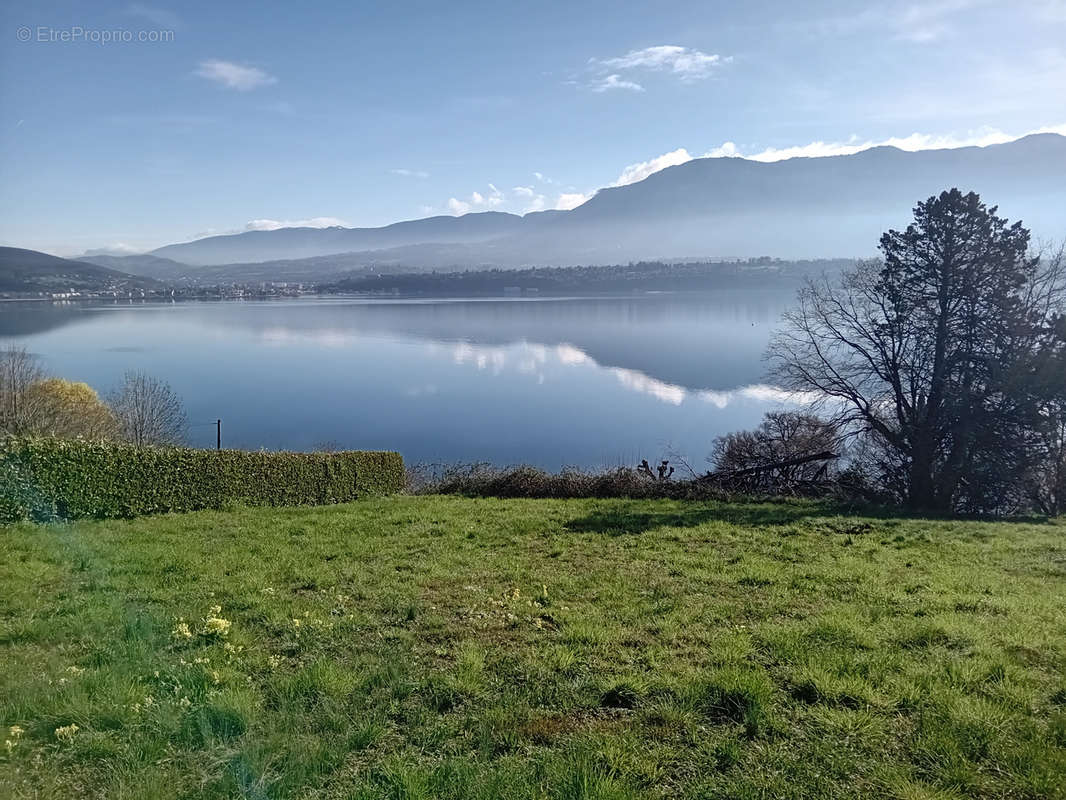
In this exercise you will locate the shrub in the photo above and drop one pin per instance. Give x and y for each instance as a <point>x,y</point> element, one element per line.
<point>485,480</point>
<point>42,478</point>
<point>781,456</point>
<point>58,407</point>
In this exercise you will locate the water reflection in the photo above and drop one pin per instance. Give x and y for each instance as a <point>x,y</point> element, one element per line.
<point>581,381</point>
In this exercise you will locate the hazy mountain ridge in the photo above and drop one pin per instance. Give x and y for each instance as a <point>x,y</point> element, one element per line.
<point>295,243</point>
<point>709,207</point>
<point>29,271</point>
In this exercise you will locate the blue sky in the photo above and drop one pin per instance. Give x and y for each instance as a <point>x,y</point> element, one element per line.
<point>247,115</point>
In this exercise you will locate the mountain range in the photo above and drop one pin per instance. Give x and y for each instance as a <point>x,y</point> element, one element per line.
<point>707,207</point>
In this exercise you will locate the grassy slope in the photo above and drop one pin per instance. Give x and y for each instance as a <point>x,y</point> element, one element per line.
<point>448,647</point>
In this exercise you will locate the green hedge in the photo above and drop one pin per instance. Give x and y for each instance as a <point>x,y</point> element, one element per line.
<point>43,479</point>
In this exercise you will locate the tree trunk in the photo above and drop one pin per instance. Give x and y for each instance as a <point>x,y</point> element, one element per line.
<point>921,493</point>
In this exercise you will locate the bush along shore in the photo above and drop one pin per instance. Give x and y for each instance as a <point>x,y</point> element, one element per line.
<point>46,478</point>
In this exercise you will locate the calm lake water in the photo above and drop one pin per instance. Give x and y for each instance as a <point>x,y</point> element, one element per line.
<point>584,382</point>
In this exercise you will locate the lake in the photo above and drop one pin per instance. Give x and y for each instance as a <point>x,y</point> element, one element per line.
<point>586,381</point>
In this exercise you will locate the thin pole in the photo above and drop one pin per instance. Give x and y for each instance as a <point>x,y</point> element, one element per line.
<point>218,434</point>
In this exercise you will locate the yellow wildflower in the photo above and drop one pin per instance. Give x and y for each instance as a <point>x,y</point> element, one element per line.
<point>66,733</point>
<point>181,630</point>
<point>15,731</point>
<point>274,662</point>
<point>75,670</point>
<point>217,626</point>
<point>185,702</point>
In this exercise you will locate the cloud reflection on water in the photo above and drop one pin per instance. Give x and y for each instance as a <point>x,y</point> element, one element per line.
<point>532,358</point>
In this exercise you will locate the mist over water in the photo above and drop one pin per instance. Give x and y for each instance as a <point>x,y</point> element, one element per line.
<point>586,382</point>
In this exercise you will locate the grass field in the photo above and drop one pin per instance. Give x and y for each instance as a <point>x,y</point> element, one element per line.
<point>441,647</point>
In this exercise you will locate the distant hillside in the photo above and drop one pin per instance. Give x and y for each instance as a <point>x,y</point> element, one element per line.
<point>806,207</point>
<point>796,208</point>
<point>640,277</point>
<point>295,243</point>
<point>28,271</point>
<point>164,269</point>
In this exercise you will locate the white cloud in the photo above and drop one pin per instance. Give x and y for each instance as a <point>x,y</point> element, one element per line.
<point>325,337</point>
<point>615,81</point>
<point>639,382</point>
<point>534,201</point>
<point>410,173</point>
<point>569,200</point>
<point>481,357</point>
<point>759,392</point>
<point>115,249</point>
<point>313,222</point>
<point>642,169</point>
<point>535,359</point>
<point>571,356</point>
<point>234,76</point>
<point>686,62</point>
<point>492,199</point>
<point>981,137</point>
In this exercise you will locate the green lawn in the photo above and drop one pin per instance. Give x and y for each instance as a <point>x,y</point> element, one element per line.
<point>442,647</point>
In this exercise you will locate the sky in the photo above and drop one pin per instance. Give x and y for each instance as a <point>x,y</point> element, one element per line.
<point>127,126</point>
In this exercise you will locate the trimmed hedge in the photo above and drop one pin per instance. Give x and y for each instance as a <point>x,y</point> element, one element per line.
<point>46,479</point>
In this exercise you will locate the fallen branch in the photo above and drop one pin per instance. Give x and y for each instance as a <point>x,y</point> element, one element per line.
<point>825,455</point>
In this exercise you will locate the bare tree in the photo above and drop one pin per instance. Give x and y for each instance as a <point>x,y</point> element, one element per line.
<point>928,351</point>
<point>789,452</point>
<point>1047,477</point>
<point>1047,482</point>
<point>19,370</point>
<point>148,410</point>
